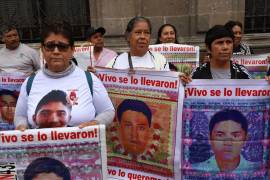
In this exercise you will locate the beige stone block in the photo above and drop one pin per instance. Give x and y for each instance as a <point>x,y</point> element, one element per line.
<point>202,23</point>
<point>182,25</point>
<point>119,8</point>
<point>115,26</point>
<point>220,18</point>
<point>164,7</point>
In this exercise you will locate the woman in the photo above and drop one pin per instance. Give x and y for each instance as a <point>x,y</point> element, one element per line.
<point>239,48</point>
<point>61,75</point>
<point>138,34</point>
<point>167,34</point>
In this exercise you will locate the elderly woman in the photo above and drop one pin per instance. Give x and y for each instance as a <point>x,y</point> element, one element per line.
<point>239,47</point>
<point>167,34</point>
<point>138,34</point>
<point>86,100</point>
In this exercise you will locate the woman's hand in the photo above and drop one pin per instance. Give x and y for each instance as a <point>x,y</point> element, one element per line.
<point>21,127</point>
<point>89,123</point>
<point>91,69</point>
<point>185,78</point>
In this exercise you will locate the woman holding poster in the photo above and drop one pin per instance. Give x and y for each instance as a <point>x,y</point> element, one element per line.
<point>138,34</point>
<point>167,34</point>
<point>84,100</point>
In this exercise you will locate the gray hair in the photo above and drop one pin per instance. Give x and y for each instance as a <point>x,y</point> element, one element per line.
<point>133,21</point>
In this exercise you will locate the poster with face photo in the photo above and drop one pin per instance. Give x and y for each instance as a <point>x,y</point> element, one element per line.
<point>54,153</point>
<point>10,85</point>
<point>225,130</point>
<point>141,139</point>
<point>257,65</point>
<point>184,57</point>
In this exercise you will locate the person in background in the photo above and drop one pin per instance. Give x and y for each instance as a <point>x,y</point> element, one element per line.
<point>167,34</point>
<point>16,56</point>
<point>138,33</point>
<point>93,105</point>
<point>239,47</point>
<point>102,55</point>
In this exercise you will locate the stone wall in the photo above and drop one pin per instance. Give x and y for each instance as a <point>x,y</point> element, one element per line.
<point>192,18</point>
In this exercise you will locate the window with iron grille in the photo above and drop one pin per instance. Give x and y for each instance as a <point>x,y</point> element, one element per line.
<point>257,16</point>
<point>29,16</point>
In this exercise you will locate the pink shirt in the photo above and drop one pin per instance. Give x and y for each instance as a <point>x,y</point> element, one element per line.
<point>105,56</point>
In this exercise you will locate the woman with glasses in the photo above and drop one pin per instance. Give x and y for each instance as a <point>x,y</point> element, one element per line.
<point>138,33</point>
<point>86,96</point>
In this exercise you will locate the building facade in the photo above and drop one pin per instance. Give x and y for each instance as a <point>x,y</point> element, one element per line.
<point>192,18</point>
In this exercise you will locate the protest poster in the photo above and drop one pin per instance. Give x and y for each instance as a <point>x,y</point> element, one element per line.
<point>257,64</point>
<point>225,130</point>
<point>141,139</point>
<point>83,55</point>
<point>184,57</point>
<point>65,152</point>
<point>9,91</point>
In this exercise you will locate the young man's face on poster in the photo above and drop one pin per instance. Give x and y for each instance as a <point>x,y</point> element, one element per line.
<point>8,104</point>
<point>227,139</point>
<point>134,132</point>
<point>47,176</point>
<point>52,114</point>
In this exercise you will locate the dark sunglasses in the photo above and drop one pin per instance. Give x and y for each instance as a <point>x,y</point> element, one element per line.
<point>50,46</point>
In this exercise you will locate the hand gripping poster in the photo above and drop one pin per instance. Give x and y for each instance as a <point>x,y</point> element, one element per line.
<point>257,64</point>
<point>225,130</point>
<point>54,153</point>
<point>10,85</point>
<point>184,57</point>
<point>141,139</point>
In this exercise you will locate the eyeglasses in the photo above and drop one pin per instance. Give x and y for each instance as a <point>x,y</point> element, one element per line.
<point>50,46</point>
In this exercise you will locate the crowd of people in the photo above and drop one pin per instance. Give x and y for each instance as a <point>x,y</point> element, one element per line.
<point>60,71</point>
<point>59,94</point>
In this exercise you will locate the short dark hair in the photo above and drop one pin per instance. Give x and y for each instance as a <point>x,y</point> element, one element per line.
<point>8,92</point>
<point>46,165</point>
<point>133,21</point>
<point>63,28</point>
<point>91,31</point>
<point>161,29</point>
<point>231,24</point>
<point>134,105</point>
<point>8,27</point>
<point>53,96</point>
<point>217,32</point>
<point>226,115</point>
